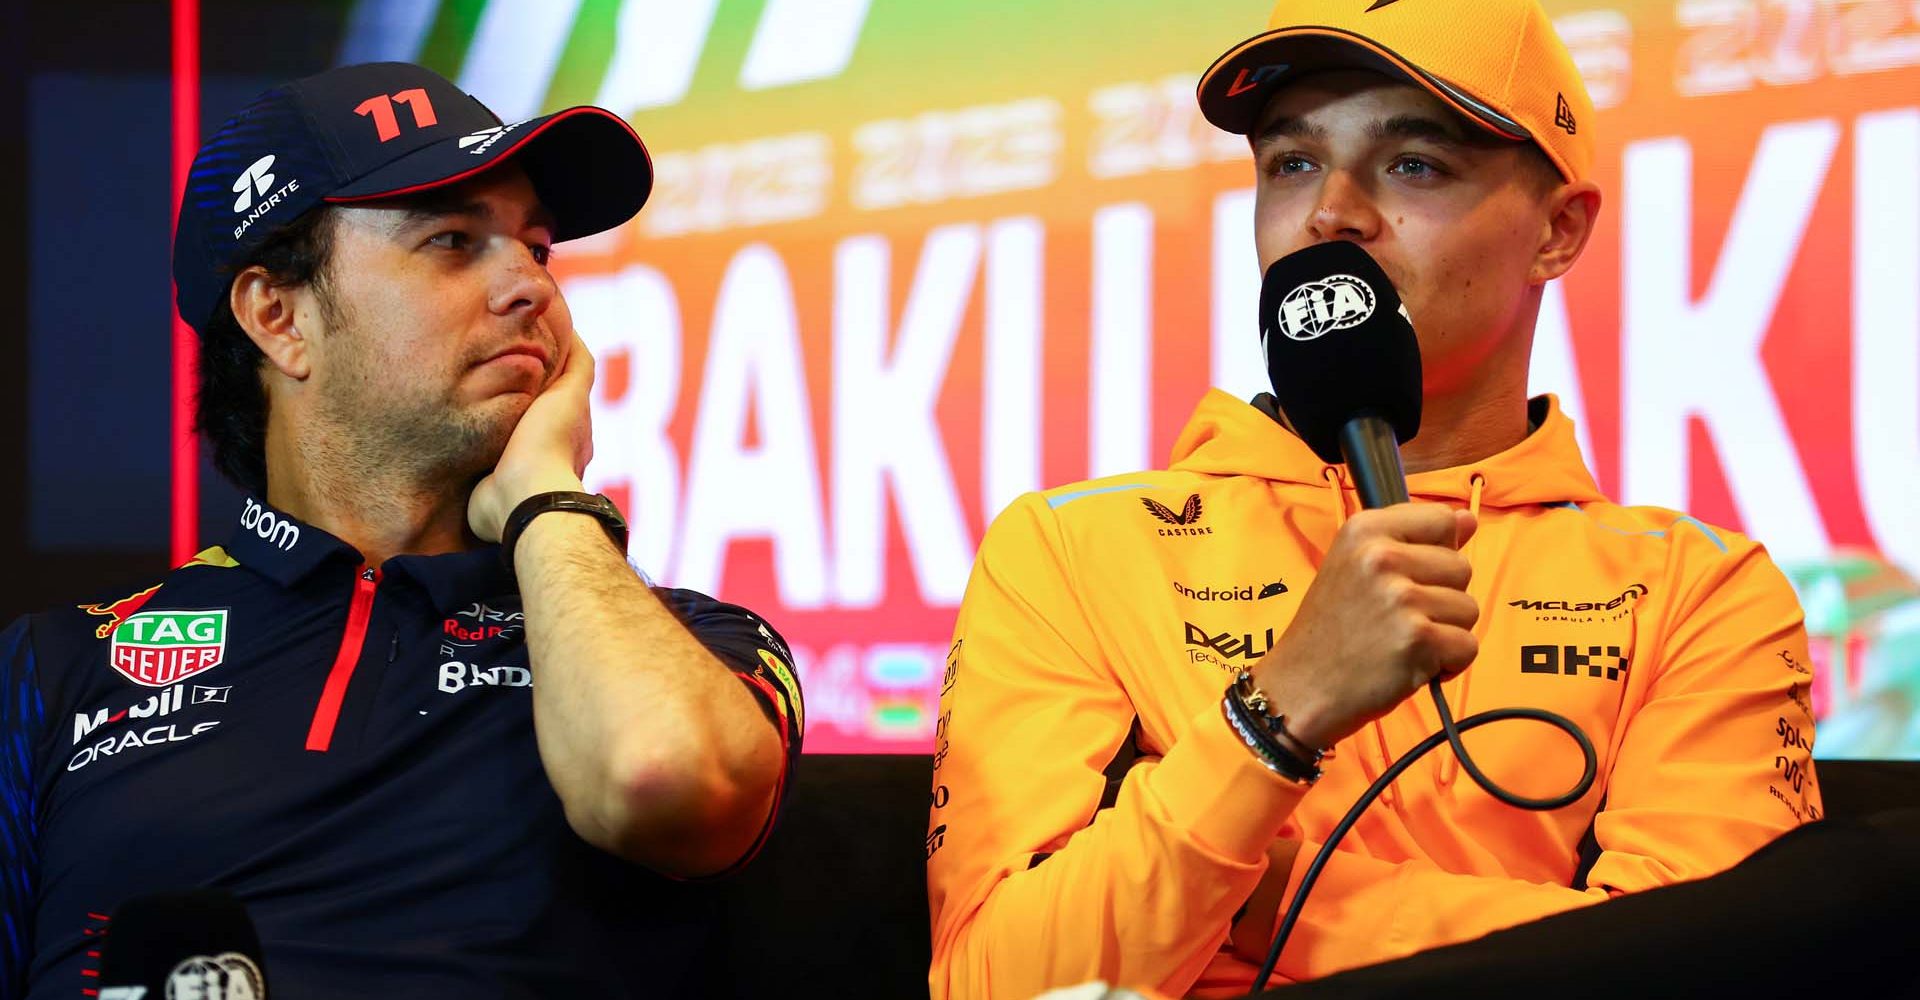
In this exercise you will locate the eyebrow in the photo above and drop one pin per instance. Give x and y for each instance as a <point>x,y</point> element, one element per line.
<point>1412,126</point>
<point>1401,126</point>
<point>429,208</point>
<point>1289,128</point>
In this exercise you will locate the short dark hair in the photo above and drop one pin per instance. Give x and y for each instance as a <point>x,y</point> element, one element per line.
<point>1544,170</point>
<point>231,406</point>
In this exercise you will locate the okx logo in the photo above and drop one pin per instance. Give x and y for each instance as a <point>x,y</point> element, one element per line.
<point>1568,661</point>
<point>253,182</point>
<point>161,648</point>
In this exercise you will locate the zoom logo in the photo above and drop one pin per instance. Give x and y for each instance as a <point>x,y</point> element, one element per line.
<point>274,528</point>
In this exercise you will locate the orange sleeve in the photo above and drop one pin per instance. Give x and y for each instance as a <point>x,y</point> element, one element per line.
<point>1032,885</point>
<point>1714,763</point>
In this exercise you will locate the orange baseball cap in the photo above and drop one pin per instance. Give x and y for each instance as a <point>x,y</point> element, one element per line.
<point>1497,62</point>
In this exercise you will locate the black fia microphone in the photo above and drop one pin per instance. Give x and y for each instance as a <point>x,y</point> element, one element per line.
<point>199,943</point>
<point>1343,362</point>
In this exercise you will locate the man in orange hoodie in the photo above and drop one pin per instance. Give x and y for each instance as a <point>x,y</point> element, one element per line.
<point>1098,815</point>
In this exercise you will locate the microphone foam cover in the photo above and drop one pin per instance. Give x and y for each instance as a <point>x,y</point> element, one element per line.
<point>195,936</point>
<point>1338,345</point>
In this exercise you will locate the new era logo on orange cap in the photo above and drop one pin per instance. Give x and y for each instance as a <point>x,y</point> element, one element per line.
<point>1510,75</point>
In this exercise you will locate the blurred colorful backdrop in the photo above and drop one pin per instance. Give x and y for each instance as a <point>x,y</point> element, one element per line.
<point>907,259</point>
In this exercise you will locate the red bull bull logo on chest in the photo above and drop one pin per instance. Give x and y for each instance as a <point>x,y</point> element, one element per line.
<point>118,611</point>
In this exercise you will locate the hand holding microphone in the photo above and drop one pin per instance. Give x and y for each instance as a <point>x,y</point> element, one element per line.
<point>1388,610</point>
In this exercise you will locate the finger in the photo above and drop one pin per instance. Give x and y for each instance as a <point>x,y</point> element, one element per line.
<point>1451,648</point>
<point>1449,671</point>
<point>1465,524</point>
<point>576,367</point>
<point>1420,523</point>
<point>1431,565</point>
<point>586,355</point>
<point>1445,606</point>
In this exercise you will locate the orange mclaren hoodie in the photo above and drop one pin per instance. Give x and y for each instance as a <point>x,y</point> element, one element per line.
<point>1095,818</point>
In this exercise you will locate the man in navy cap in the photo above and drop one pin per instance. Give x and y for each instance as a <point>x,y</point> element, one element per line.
<point>419,714</point>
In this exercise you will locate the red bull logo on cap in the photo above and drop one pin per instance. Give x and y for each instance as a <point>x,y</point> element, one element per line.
<point>159,648</point>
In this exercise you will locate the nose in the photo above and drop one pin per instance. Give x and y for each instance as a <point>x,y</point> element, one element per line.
<point>522,285</point>
<point>1344,210</point>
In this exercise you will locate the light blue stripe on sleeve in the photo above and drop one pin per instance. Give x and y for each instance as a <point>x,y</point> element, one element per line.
<point>1066,498</point>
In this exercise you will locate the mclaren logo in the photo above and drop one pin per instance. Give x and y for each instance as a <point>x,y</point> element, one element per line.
<point>1634,592</point>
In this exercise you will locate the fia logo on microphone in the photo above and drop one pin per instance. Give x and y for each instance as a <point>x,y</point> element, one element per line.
<point>1317,308</point>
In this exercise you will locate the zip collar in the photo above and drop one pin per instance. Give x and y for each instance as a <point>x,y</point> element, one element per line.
<point>287,551</point>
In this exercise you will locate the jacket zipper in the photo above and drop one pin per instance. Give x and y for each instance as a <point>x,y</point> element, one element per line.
<point>327,714</point>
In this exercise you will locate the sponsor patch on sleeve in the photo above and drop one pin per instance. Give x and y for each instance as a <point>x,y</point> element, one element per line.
<point>781,675</point>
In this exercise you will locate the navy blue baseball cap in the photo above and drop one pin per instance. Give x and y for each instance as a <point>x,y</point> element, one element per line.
<point>382,130</point>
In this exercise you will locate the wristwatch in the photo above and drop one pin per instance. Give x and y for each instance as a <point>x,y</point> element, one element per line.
<point>596,504</point>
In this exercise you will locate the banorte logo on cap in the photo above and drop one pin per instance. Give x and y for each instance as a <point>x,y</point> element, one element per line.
<point>256,179</point>
<point>1317,308</point>
<point>252,186</point>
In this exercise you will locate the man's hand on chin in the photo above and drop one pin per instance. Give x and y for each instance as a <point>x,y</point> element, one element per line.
<point>549,448</point>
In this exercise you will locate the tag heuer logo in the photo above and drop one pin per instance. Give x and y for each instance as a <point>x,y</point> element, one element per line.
<point>159,648</point>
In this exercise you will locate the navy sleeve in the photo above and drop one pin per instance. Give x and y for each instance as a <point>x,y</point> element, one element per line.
<point>751,648</point>
<point>22,718</point>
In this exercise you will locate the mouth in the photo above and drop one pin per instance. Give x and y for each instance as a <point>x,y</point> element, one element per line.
<point>513,352</point>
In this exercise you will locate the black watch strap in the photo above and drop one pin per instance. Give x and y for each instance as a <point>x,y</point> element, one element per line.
<point>580,503</point>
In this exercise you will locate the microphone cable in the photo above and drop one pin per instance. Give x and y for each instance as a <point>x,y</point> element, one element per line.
<point>1449,733</point>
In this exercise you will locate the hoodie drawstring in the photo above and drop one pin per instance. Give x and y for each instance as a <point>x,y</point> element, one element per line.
<point>1332,476</point>
<point>1450,764</point>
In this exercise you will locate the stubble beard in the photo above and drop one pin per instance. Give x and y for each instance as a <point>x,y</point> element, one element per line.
<point>413,440</point>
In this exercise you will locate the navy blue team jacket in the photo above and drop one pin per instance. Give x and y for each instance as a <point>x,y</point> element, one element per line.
<point>348,751</point>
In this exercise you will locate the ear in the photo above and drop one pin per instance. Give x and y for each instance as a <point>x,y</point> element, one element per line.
<point>266,312</point>
<point>1571,211</point>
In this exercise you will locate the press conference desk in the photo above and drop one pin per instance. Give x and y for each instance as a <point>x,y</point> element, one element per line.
<point>838,901</point>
